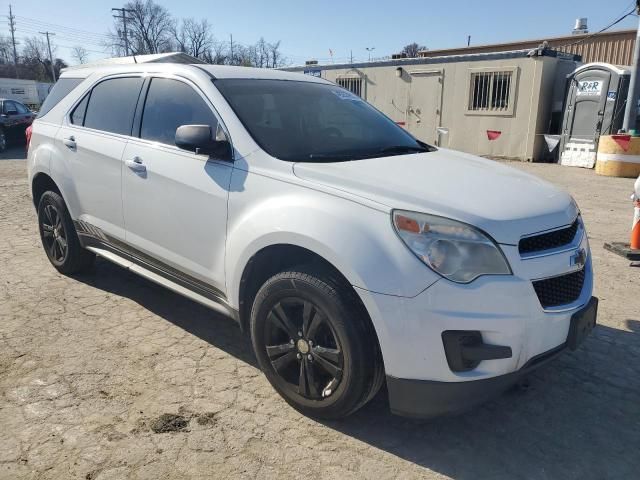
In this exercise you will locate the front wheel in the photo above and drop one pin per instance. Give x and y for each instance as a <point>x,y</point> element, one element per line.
<point>315,344</point>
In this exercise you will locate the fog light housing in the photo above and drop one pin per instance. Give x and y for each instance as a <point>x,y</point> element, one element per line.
<point>465,350</point>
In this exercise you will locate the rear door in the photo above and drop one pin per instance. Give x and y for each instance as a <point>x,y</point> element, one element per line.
<point>93,138</point>
<point>175,202</point>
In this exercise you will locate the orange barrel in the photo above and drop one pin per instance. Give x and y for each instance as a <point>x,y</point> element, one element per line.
<point>618,156</point>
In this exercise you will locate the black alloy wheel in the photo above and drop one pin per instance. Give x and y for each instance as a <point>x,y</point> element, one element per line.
<point>54,235</point>
<point>303,348</point>
<point>315,343</point>
<point>59,236</point>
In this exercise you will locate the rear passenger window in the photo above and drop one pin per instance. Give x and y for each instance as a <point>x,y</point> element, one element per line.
<point>112,104</point>
<point>77,116</point>
<point>61,89</point>
<point>170,104</point>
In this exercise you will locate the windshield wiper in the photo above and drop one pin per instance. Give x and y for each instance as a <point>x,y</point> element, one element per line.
<point>402,149</point>
<point>327,157</point>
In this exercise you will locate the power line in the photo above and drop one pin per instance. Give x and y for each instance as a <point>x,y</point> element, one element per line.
<point>58,27</point>
<point>65,37</point>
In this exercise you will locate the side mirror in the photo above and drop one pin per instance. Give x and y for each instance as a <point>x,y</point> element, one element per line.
<point>199,139</point>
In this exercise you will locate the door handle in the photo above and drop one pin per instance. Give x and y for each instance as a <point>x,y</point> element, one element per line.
<point>136,165</point>
<point>70,142</point>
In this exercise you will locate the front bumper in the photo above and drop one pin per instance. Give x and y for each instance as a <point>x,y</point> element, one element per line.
<point>427,399</point>
<point>504,310</point>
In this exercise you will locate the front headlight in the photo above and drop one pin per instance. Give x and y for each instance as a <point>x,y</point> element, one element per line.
<point>455,250</point>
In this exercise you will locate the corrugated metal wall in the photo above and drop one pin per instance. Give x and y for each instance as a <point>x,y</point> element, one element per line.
<point>610,47</point>
<point>615,49</point>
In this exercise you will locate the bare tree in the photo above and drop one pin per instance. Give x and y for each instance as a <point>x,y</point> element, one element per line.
<point>80,54</point>
<point>35,57</point>
<point>412,49</point>
<point>276,59</point>
<point>217,54</point>
<point>149,29</point>
<point>193,37</point>
<point>6,49</point>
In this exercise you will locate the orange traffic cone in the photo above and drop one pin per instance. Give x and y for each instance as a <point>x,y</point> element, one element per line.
<point>635,229</point>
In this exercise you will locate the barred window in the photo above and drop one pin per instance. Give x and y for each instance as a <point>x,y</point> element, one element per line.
<point>353,84</point>
<point>490,91</point>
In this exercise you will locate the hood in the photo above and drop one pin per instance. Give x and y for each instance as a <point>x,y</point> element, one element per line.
<point>503,201</point>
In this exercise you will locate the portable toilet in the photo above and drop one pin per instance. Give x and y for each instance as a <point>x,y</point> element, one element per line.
<point>595,104</point>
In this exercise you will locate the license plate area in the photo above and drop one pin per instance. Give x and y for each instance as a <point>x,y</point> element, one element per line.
<point>582,323</point>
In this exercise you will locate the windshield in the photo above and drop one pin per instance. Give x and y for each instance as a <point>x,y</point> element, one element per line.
<point>302,121</point>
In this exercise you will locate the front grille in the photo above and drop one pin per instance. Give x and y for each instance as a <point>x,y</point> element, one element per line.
<point>561,290</point>
<point>547,241</point>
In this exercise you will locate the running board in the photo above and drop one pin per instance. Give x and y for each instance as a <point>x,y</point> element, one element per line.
<point>165,282</point>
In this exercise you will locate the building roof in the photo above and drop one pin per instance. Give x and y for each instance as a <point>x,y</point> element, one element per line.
<point>467,57</point>
<point>615,47</point>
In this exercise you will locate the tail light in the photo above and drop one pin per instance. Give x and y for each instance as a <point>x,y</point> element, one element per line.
<point>27,133</point>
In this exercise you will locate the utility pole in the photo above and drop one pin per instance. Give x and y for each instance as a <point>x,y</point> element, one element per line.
<point>12,28</point>
<point>53,70</point>
<point>231,48</point>
<point>351,56</point>
<point>125,34</point>
<point>631,109</point>
<point>468,40</point>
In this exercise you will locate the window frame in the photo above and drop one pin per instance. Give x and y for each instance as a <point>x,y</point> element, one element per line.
<point>513,89</point>
<point>89,92</point>
<point>137,119</point>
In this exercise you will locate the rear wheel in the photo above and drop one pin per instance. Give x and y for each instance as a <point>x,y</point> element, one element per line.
<point>59,237</point>
<point>315,344</point>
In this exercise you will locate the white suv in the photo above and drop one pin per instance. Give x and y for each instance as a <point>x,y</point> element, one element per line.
<point>353,253</point>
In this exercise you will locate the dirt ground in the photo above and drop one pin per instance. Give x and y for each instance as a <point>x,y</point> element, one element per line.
<point>108,376</point>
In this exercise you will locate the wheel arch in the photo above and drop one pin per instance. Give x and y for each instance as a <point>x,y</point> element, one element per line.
<point>276,258</point>
<point>40,184</point>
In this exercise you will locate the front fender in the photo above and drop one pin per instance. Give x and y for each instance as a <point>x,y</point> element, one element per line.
<point>358,240</point>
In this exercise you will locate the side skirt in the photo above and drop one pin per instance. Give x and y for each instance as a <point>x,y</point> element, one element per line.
<point>121,254</point>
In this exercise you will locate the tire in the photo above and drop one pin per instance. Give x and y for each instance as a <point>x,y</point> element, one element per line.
<point>315,343</point>
<point>59,237</point>
<point>3,140</point>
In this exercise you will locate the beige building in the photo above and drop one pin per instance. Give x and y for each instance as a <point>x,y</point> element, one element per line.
<point>615,47</point>
<point>494,104</point>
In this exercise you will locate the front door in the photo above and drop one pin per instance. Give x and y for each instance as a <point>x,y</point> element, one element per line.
<point>175,202</point>
<point>423,115</point>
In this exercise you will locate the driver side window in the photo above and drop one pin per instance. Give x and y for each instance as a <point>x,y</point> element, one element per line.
<point>170,104</point>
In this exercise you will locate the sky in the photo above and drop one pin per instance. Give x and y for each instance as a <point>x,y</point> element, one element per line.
<point>311,29</point>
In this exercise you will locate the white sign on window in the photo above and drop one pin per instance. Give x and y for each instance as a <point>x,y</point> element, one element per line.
<point>591,88</point>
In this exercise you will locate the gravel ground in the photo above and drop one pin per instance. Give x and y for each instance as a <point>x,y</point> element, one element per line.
<point>107,376</point>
